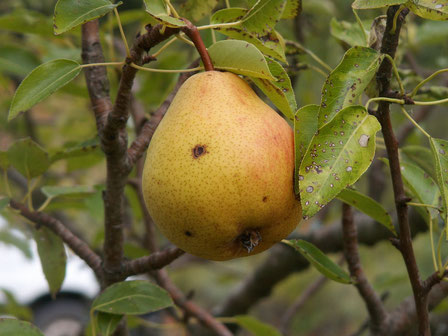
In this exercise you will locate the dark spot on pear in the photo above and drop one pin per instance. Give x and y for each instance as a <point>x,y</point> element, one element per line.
<point>265,199</point>
<point>199,150</point>
<point>188,233</point>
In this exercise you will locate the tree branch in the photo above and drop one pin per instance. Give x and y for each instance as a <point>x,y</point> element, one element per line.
<point>204,317</point>
<point>283,261</point>
<point>389,46</point>
<point>96,77</point>
<point>372,301</point>
<point>152,262</point>
<point>79,247</point>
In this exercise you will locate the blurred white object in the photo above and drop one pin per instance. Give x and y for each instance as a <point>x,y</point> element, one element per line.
<point>68,313</point>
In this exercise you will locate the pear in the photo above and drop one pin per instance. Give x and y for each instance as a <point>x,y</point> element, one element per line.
<point>218,175</point>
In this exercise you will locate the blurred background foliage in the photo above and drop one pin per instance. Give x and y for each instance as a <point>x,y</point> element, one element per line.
<point>64,122</point>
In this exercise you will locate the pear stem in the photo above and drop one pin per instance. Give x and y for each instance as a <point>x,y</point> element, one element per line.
<point>192,32</point>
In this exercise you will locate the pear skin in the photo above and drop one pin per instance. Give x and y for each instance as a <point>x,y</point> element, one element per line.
<point>218,175</point>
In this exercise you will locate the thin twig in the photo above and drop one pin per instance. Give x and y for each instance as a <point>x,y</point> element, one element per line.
<point>152,262</point>
<point>389,46</point>
<point>204,317</point>
<point>140,144</point>
<point>79,247</point>
<point>372,301</point>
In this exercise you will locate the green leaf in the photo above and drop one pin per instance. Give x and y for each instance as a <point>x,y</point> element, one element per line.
<point>239,57</point>
<point>42,82</point>
<point>368,206</point>
<point>68,13</point>
<point>107,323</point>
<point>4,162</point>
<point>305,126</point>
<point>263,16</point>
<point>52,257</point>
<point>420,156</point>
<point>348,32</point>
<point>7,237</point>
<point>197,9</point>
<point>4,201</point>
<point>271,43</point>
<point>133,298</point>
<point>157,9</point>
<point>76,150</point>
<point>27,22</point>
<point>72,191</point>
<point>292,9</point>
<point>320,261</point>
<point>421,186</point>
<point>255,326</point>
<point>28,158</point>
<point>347,81</point>
<point>439,149</point>
<point>429,9</point>
<point>17,61</point>
<point>13,308</point>
<point>370,4</point>
<point>337,156</point>
<point>13,327</point>
<point>280,92</point>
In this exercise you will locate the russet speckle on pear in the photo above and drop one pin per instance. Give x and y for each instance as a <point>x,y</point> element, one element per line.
<point>218,176</point>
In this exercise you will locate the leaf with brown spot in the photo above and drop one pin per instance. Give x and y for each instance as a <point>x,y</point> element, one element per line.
<point>339,153</point>
<point>348,81</point>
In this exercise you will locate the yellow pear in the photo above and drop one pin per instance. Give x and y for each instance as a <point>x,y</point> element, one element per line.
<point>218,176</point>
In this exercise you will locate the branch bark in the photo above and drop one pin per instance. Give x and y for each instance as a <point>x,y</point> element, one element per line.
<point>389,46</point>
<point>372,301</point>
<point>152,262</point>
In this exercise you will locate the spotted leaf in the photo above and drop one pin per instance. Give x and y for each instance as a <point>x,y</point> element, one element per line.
<point>270,42</point>
<point>339,153</point>
<point>348,81</point>
<point>429,9</point>
<point>370,4</point>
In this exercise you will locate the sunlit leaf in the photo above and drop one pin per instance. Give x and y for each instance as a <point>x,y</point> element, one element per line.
<point>262,17</point>
<point>320,261</point>
<point>12,326</point>
<point>132,297</point>
<point>347,81</point>
<point>429,9</point>
<point>280,91</point>
<point>439,149</point>
<point>369,4</point>
<point>42,82</point>
<point>239,57</point>
<point>339,153</point>
<point>157,9</point>
<point>69,14</point>
<point>28,158</point>
<point>368,206</point>
<point>52,257</point>
<point>256,327</point>
<point>270,43</point>
<point>292,9</point>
